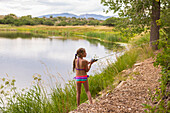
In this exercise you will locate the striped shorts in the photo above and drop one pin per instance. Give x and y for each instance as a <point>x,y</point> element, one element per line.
<point>81,79</point>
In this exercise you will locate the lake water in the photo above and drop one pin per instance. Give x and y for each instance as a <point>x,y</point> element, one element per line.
<point>25,55</point>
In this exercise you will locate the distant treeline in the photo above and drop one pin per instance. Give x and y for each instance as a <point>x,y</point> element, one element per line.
<point>56,21</point>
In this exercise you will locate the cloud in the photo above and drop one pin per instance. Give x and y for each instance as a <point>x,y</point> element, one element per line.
<point>42,7</point>
<point>48,3</point>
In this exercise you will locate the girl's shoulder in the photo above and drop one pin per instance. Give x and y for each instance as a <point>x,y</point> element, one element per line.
<point>84,61</point>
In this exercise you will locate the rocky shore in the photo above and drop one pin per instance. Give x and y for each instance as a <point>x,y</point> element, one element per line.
<point>129,95</point>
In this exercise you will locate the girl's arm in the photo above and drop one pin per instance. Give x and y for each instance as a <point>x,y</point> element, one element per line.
<point>87,67</point>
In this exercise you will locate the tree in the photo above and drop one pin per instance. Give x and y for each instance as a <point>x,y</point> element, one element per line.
<point>110,21</point>
<point>38,20</point>
<point>141,13</point>
<point>13,15</point>
<point>51,16</point>
<point>48,22</point>
<point>26,20</point>
<point>8,19</point>
<point>93,22</point>
<point>62,23</point>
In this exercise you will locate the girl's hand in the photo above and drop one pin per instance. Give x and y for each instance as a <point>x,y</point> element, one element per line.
<point>92,61</point>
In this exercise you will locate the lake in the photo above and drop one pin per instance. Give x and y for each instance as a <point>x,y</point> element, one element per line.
<point>23,55</point>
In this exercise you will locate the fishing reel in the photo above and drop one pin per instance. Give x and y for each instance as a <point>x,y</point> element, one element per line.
<point>94,60</point>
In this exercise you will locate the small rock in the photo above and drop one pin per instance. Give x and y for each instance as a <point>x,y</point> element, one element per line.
<point>129,109</point>
<point>121,84</point>
<point>134,70</point>
<point>138,64</point>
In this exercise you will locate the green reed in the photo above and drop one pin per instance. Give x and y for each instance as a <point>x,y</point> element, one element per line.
<point>113,37</point>
<point>105,34</point>
<point>142,40</point>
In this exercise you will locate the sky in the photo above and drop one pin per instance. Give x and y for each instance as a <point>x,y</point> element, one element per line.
<point>43,7</point>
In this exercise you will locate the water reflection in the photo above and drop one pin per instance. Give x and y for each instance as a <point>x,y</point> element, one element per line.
<point>110,46</point>
<point>24,57</point>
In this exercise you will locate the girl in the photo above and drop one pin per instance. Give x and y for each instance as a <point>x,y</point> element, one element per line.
<point>82,66</point>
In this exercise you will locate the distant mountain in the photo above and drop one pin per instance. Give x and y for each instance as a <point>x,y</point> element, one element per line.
<point>95,16</point>
<point>98,17</point>
<point>56,15</point>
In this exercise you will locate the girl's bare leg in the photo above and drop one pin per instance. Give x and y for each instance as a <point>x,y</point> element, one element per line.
<point>78,87</point>
<point>86,86</point>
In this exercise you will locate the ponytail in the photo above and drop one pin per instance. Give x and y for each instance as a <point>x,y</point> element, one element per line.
<point>74,62</point>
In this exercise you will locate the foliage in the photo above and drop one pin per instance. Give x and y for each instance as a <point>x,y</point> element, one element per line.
<point>112,37</point>
<point>62,23</point>
<point>110,21</point>
<point>59,21</point>
<point>138,12</point>
<point>48,22</point>
<point>114,21</point>
<point>93,22</point>
<point>8,19</point>
<point>142,40</point>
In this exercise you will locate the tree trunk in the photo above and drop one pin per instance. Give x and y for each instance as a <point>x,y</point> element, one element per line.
<point>154,34</point>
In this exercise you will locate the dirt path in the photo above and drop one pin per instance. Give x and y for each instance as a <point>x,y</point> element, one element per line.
<point>129,95</point>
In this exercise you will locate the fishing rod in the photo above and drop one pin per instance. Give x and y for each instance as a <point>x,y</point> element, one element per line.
<point>94,60</point>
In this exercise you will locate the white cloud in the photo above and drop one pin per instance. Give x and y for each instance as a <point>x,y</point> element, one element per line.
<point>43,7</point>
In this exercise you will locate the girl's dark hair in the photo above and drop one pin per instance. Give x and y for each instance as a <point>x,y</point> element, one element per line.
<point>79,53</point>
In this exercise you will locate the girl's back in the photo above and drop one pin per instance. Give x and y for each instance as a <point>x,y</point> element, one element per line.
<point>80,65</point>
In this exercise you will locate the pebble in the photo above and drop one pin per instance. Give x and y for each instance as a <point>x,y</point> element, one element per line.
<point>129,109</point>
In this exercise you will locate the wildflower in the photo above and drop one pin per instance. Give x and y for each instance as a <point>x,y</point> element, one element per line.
<point>7,82</point>
<point>8,92</point>
<point>13,80</point>
<point>39,75</point>
<point>5,94</point>
<point>35,78</point>
<point>33,82</point>
<point>13,88</point>
<point>2,92</point>
<point>2,86</point>
<point>3,79</point>
<point>39,79</point>
<point>12,83</point>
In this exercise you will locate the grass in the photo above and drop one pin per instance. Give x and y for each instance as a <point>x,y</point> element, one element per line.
<point>112,37</point>
<point>141,40</point>
<point>100,32</point>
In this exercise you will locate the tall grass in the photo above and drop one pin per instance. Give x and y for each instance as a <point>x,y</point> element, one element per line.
<point>104,33</point>
<point>141,40</point>
<point>113,37</point>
